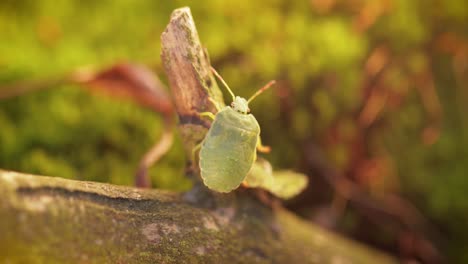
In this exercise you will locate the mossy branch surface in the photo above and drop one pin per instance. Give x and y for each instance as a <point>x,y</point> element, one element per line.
<point>53,220</point>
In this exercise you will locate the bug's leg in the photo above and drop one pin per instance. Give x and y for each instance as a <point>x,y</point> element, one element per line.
<point>245,184</point>
<point>194,151</point>
<point>262,148</point>
<point>216,104</point>
<point>208,114</point>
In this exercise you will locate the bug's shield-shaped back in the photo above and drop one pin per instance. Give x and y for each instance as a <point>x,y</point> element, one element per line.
<point>228,150</point>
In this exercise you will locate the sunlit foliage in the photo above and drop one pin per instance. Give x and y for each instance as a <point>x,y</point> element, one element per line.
<point>379,87</point>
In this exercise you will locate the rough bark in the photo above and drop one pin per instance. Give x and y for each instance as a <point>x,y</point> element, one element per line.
<point>187,66</point>
<point>53,220</point>
<point>47,220</point>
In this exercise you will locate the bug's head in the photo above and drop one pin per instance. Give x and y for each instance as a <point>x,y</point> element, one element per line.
<point>240,105</point>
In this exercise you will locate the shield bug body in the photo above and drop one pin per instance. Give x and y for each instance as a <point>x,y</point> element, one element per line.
<point>229,148</point>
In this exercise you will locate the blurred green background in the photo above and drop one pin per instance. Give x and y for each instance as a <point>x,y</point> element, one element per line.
<point>378,88</point>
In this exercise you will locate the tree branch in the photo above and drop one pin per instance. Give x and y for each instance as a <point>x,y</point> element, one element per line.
<point>46,220</point>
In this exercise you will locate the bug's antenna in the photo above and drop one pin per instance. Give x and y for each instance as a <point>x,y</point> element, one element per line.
<point>225,84</point>
<point>261,90</point>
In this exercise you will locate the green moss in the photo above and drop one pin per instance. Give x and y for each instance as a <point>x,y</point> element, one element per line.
<point>318,55</point>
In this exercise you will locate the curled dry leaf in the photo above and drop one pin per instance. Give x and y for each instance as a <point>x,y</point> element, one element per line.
<point>260,175</point>
<point>288,183</point>
<point>284,184</point>
<point>128,81</point>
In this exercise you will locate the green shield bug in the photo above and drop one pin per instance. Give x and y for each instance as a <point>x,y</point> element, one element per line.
<point>229,149</point>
